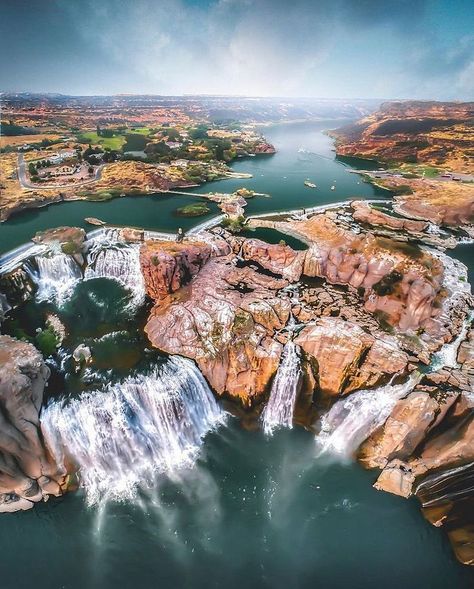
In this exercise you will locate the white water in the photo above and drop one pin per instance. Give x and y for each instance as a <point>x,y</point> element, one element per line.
<point>351,420</point>
<point>122,437</point>
<point>56,277</point>
<point>279,409</point>
<point>118,261</point>
<point>447,355</point>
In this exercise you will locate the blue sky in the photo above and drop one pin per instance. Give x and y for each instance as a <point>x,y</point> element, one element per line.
<point>321,48</point>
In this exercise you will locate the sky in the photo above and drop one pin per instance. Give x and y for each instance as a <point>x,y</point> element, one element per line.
<point>422,49</point>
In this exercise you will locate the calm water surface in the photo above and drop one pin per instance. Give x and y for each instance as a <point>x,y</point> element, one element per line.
<point>256,512</point>
<point>280,175</point>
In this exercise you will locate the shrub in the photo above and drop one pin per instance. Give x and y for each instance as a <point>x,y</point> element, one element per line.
<point>47,341</point>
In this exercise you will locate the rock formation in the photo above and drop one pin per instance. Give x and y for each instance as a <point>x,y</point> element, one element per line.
<point>404,286</point>
<point>225,319</point>
<point>348,357</point>
<point>167,266</point>
<point>364,213</point>
<point>27,474</point>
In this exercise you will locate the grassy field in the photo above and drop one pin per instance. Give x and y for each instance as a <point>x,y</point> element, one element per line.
<point>418,169</point>
<point>115,142</point>
<point>140,130</point>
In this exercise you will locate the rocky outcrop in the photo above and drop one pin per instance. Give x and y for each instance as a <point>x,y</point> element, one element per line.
<point>167,266</point>
<point>348,357</point>
<point>408,425</point>
<point>225,319</point>
<point>278,258</point>
<point>27,474</point>
<point>437,133</point>
<point>426,449</point>
<point>445,203</point>
<point>364,213</point>
<point>69,239</point>
<point>410,290</point>
<point>264,148</point>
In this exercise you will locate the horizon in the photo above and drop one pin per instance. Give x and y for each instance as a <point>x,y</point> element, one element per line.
<point>240,96</point>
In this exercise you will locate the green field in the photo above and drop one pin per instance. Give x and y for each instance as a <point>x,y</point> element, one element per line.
<point>418,169</point>
<point>141,130</point>
<point>115,142</point>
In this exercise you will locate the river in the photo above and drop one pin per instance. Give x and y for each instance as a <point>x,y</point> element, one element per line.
<point>280,175</point>
<point>256,510</point>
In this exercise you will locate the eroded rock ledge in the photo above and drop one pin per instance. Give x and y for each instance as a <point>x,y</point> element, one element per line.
<point>27,473</point>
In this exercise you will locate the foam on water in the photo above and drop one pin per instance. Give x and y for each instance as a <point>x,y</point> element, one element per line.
<point>123,436</point>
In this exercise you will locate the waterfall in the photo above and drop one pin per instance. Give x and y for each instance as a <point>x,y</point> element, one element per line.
<point>446,357</point>
<point>351,420</point>
<point>279,409</point>
<point>123,436</point>
<point>56,276</point>
<point>120,262</point>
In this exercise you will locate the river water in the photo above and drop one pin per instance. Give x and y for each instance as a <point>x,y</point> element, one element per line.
<point>256,510</point>
<point>280,175</point>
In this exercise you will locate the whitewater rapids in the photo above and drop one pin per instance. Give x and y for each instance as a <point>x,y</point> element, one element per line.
<point>120,438</point>
<point>352,420</point>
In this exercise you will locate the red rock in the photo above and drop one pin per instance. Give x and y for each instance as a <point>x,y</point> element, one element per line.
<point>24,462</point>
<point>225,319</point>
<point>348,357</point>
<point>167,266</point>
<point>280,259</point>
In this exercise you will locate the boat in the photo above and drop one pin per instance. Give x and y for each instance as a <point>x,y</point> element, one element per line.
<point>333,187</point>
<point>309,184</point>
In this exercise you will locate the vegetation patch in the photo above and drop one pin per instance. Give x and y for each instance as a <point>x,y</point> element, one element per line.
<point>47,341</point>
<point>193,210</point>
<point>386,285</point>
<point>234,225</point>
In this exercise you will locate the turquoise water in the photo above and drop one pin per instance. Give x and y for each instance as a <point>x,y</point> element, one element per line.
<point>256,512</point>
<point>280,175</point>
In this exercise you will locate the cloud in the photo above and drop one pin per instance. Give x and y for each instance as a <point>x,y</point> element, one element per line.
<point>254,47</point>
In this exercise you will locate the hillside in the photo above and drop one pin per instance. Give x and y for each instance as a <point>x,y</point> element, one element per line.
<point>434,133</point>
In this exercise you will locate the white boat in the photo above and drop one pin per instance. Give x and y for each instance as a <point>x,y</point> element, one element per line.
<point>333,187</point>
<point>309,184</point>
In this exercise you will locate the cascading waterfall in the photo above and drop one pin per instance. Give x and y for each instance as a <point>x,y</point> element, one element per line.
<point>351,420</point>
<point>109,258</point>
<point>446,357</point>
<point>279,409</point>
<point>56,276</point>
<point>122,437</point>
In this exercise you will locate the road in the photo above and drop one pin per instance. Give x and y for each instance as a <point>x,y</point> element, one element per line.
<point>25,183</point>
